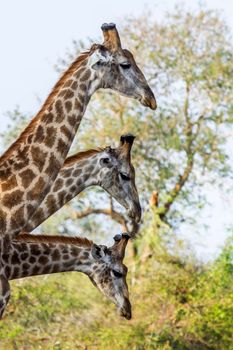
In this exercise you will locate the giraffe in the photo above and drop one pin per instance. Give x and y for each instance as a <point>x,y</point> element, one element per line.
<point>31,255</point>
<point>29,167</point>
<point>107,167</point>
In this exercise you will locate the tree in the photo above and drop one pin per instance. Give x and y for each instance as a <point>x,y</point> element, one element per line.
<point>180,147</point>
<point>188,61</point>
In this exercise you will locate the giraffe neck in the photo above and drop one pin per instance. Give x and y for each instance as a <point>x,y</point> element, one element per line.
<point>29,167</point>
<point>76,175</point>
<point>54,254</point>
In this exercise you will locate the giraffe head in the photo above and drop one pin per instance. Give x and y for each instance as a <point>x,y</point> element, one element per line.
<point>116,68</point>
<point>109,273</point>
<point>117,176</point>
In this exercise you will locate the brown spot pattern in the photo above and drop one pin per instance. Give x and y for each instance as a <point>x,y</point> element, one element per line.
<point>12,199</point>
<point>68,83</point>
<point>39,135</point>
<point>37,191</point>
<point>56,255</point>
<point>64,130</point>
<point>50,136</point>
<point>38,157</point>
<point>69,94</point>
<point>9,184</point>
<point>43,260</point>
<point>59,111</point>
<point>53,166</point>
<point>77,172</point>
<point>61,147</point>
<point>72,120</point>
<point>68,106</point>
<point>51,203</point>
<point>27,176</point>
<point>86,75</point>
<point>57,185</point>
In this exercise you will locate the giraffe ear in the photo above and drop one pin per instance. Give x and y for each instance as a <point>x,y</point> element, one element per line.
<point>98,252</point>
<point>106,162</point>
<point>100,58</point>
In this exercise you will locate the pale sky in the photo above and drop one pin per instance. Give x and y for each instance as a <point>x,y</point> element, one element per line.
<point>34,34</point>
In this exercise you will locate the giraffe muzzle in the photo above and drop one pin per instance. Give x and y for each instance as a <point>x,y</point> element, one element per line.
<point>148,100</point>
<point>135,212</point>
<point>125,311</point>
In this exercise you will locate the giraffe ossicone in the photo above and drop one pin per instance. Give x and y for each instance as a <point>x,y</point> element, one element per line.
<point>31,164</point>
<point>31,255</point>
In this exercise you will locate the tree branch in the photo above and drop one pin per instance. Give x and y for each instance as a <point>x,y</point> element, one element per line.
<point>190,137</point>
<point>119,218</point>
<point>162,211</point>
<point>128,226</point>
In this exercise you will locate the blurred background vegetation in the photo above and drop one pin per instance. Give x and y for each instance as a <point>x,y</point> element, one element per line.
<point>178,302</point>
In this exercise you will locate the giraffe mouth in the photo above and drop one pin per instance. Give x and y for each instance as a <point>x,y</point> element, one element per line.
<point>125,311</point>
<point>149,102</point>
<point>133,216</point>
<point>135,213</point>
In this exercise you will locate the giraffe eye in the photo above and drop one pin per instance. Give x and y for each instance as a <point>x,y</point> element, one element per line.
<point>98,65</point>
<point>124,177</point>
<point>106,160</point>
<point>125,65</point>
<point>117,274</point>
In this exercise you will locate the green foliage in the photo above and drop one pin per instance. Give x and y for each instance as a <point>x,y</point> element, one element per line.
<point>176,305</point>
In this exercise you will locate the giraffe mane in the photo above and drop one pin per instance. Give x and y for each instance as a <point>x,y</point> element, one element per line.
<point>79,60</point>
<point>82,155</point>
<point>76,240</point>
<point>66,74</point>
